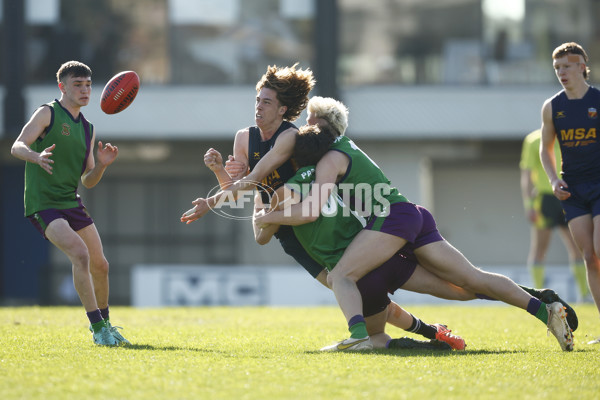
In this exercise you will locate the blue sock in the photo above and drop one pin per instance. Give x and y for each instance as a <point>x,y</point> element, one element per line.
<point>94,316</point>
<point>533,306</point>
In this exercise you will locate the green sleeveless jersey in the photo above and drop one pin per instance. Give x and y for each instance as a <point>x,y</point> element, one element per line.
<point>325,239</point>
<point>530,159</point>
<point>73,139</point>
<point>364,186</point>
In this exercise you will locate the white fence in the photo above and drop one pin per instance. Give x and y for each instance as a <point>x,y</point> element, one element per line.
<point>206,285</point>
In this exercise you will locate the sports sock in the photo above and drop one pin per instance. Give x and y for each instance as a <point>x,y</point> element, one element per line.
<point>421,328</point>
<point>357,327</point>
<point>98,325</point>
<point>104,312</point>
<point>581,278</point>
<point>538,309</point>
<point>94,317</point>
<point>537,274</point>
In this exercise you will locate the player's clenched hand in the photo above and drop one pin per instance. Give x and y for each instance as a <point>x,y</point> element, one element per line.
<point>235,169</point>
<point>44,160</point>
<point>213,160</point>
<point>561,189</point>
<point>200,209</point>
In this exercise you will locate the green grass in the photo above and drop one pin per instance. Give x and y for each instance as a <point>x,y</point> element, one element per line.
<point>272,353</point>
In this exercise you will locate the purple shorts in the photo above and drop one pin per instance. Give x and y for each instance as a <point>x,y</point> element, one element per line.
<point>375,286</point>
<point>409,221</point>
<point>78,218</point>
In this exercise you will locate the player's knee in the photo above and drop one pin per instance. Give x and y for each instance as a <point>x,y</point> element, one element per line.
<point>339,273</point>
<point>590,257</point>
<point>80,258</point>
<point>100,267</point>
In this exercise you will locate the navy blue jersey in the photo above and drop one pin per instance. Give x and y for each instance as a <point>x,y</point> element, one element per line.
<point>257,149</point>
<point>577,124</point>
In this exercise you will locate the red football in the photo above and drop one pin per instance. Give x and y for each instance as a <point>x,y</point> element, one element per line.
<point>119,92</point>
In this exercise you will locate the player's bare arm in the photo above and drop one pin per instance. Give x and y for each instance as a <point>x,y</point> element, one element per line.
<point>237,165</point>
<point>280,153</point>
<point>32,130</point>
<point>547,152</point>
<point>329,169</point>
<point>105,156</point>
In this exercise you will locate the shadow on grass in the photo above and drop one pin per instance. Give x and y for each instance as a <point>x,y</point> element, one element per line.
<point>152,347</point>
<point>426,352</point>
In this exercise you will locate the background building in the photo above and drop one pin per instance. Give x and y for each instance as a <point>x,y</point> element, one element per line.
<point>440,94</point>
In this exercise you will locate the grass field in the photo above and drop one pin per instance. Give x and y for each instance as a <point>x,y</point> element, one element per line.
<point>272,353</point>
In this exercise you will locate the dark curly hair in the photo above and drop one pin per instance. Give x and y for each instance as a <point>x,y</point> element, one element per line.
<point>292,86</point>
<point>312,142</point>
<point>73,68</point>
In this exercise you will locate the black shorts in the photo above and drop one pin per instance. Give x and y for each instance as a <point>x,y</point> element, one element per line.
<point>550,212</point>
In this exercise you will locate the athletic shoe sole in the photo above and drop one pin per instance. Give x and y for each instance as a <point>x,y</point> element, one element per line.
<point>558,325</point>
<point>549,296</point>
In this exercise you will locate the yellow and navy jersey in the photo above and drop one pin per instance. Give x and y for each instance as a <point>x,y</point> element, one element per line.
<point>577,124</point>
<point>257,149</point>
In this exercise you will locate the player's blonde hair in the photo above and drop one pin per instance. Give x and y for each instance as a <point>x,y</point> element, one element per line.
<point>334,112</point>
<point>292,86</point>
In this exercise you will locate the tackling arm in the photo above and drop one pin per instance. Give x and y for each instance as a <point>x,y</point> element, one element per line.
<point>329,168</point>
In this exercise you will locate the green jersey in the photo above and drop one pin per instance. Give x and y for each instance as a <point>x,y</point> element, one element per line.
<point>530,159</point>
<point>364,184</point>
<point>326,238</point>
<point>73,141</point>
